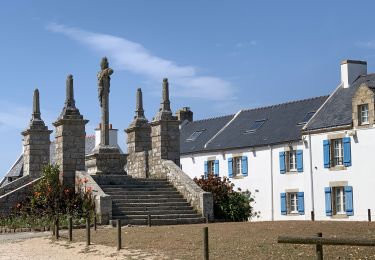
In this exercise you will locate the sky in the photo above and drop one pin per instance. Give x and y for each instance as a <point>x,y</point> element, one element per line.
<point>219,56</point>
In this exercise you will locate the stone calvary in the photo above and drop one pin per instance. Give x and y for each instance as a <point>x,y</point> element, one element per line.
<point>129,186</point>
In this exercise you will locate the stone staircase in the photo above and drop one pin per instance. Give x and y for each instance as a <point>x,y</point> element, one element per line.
<point>133,199</point>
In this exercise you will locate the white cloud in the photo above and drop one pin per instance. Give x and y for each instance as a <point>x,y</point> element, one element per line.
<point>16,117</point>
<point>133,57</point>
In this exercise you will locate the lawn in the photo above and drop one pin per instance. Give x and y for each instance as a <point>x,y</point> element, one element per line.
<point>251,240</point>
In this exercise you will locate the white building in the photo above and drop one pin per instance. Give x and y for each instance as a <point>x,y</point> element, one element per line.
<point>297,157</point>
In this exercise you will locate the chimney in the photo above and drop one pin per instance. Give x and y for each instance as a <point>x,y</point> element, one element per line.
<point>184,114</point>
<point>351,70</point>
<point>112,136</point>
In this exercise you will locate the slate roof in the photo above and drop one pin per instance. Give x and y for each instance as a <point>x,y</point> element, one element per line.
<point>282,124</point>
<point>17,169</point>
<point>337,111</point>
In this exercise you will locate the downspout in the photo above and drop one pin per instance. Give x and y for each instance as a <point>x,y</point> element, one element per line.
<point>311,175</point>
<point>272,204</point>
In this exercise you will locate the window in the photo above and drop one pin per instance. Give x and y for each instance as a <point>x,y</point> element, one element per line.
<point>363,114</point>
<point>339,200</point>
<point>338,152</point>
<point>195,135</point>
<point>307,117</point>
<point>237,166</point>
<point>255,126</point>
<point>211,167</point>
<point>292,202</point>
<point>291,160</point>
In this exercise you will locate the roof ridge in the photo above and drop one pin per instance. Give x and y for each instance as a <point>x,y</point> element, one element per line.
<point>213,118</point>
<point>285,103</point>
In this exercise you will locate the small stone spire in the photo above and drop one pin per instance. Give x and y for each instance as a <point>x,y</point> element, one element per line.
<point>36,106</point>
<point>139,112</point>
<point>166,104</point>
<point>70,102</point>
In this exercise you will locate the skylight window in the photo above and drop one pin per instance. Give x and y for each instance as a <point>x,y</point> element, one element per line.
<point>307,117</point>
<point>195,135</point>
<point>255,125</point>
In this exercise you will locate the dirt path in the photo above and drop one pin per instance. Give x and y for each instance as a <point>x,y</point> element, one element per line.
<point>15,246</point>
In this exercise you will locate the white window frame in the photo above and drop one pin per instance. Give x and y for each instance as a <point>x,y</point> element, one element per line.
<point>211,167</point>
<point>363,114</point>
<point>337,151</point>
<point>237,166</point>
<point>291,160</point>
<point>292,202</point>
<point>338,200</point>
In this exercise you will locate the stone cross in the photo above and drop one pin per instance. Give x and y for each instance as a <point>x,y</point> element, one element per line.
<point>165,104</point>
<point>69,102</point>
<point>139,112</point>
<point>104,82</point>
<point>36,106</point>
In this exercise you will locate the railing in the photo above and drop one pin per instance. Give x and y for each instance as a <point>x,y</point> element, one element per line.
<point>319,241</point>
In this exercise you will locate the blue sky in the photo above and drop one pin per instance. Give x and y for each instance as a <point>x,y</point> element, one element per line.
<point>219,56</point>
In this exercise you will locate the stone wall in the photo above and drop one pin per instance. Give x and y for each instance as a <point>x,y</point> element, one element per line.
<point>36,151</point>
<point>103,202</point>
<point>137,164</point>
<point>363,95</point>
<point>202,201</point>
<point>10,200</point>
<point>15,184</point>
<point>70,148</point>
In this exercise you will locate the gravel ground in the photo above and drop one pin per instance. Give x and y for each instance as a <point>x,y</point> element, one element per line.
<point>257,240</point>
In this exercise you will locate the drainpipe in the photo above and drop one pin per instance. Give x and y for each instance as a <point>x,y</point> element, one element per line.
<point>311,175</point>
<point>272,205</point>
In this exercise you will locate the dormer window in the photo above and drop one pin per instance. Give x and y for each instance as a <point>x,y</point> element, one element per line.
<point>363,114</point>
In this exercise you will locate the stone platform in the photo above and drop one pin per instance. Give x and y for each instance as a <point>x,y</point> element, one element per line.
<point>106,160</point>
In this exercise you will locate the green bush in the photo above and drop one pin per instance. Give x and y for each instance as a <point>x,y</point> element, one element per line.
<point>229,205</point>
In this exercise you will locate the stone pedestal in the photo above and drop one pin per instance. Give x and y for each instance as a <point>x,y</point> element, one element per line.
<point>106,160</point>
<point>70,148</point>
<point>36,154</point>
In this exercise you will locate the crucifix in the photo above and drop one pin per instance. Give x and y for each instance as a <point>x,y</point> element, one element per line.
<point>104,82</point>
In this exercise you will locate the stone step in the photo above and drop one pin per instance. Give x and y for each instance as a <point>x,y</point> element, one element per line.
<point>117,212</point>
<point>146,196</point>
<point>126,204</point>
<point>139,189</point>
<point>149,200</point>
<point>160,222</point>
<point>136,186</point>
<point>142,193</point>
<point>163,216</point>
<point>151,208</point>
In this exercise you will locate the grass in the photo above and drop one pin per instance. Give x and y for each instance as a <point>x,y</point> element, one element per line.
<point>257,240</point>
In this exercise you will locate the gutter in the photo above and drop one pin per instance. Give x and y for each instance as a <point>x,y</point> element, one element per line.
<point>311,175</point>
<point>272,195</point>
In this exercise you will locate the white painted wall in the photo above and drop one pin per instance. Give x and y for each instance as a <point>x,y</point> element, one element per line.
<point>113,139</point>
<point>350,71</point>
<point>265,184</point>
<point>361,175</point>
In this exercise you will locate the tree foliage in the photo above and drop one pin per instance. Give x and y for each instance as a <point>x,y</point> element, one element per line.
<point>229,205</point>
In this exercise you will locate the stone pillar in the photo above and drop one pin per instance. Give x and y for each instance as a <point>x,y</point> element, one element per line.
<point>70,138</point>
<point>165,136</point>
<point>36,142</point>
<point>139,141</point>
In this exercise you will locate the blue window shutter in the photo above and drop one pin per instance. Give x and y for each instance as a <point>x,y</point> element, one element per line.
<point>347,152</point>
<point>299,160</point>
<point>230,167</point>
<point>244,165</point>
<point>328,191</point>
<point>282,162</point>
<point>216,168</point>
<point>205,169</point>
<point>301,203</point>
<point>349,200</point>
<point>283,203</point>
<point>326,152</point>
